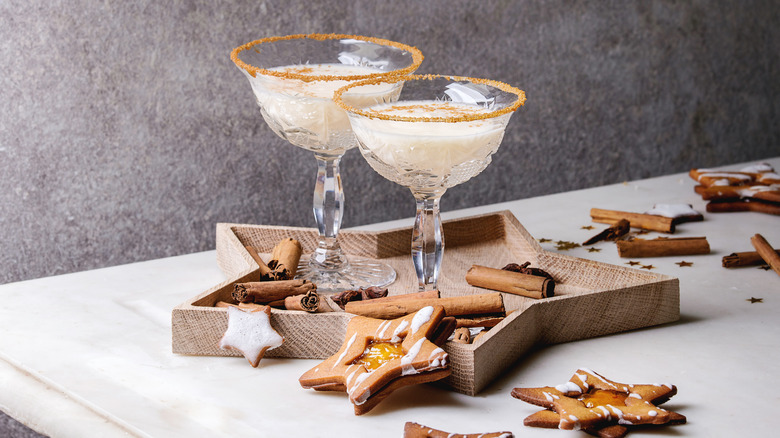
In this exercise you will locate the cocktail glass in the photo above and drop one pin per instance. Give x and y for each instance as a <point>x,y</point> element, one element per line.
<point>293,79</point>
<point>440,132</point>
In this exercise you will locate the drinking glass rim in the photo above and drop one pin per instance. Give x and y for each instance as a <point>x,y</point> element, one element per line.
<point>337,97</point>
<point>417,57</point>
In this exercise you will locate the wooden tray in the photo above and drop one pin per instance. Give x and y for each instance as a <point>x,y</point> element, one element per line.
<point>591,298</point>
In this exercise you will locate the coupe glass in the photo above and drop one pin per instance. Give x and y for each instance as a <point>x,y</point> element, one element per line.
<point>440,132</point>
<point>293,79</point>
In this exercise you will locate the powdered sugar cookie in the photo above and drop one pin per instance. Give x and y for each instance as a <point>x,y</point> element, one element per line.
<point>249,332</point>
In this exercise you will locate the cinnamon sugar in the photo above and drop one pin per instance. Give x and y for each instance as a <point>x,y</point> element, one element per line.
<point>417,57</point>
<point>461,115</point>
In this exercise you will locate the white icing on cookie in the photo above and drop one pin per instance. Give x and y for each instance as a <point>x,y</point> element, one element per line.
<point>731,175</point>
<point>408,358</point>
<point>343,353</point>
<point>382,329</point>
<point>758,168</point>
<point>753,190</point>
<point>421,317</point>
<point>569,387</point>
<point>401,327</point>
<point>672,210</point>
<point>250,333</point>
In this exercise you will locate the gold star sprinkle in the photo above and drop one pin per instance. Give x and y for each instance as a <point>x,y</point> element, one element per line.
<point>755,300</point>
<point>683,264</point>
<point>591,249</point>
<point>587,227</point>
<point>544,240</point>
<point>632,263</point>
<point>648,267</point>
<point>563,245</point>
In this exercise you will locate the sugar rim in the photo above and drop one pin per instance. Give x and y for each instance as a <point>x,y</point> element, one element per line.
<point>417,58</point>
<point>337,97</point>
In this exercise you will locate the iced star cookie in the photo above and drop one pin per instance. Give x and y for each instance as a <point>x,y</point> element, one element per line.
<point>416,430</point>
<point>752,188</point>
<point>599,406</point>
<point>249,332</point>
<point>379,356</point>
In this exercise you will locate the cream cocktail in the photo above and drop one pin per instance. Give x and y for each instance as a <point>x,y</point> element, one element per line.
<point>440,132</point>
<point>293,79</point>
<point>444,153</point>
<point>303,111</point>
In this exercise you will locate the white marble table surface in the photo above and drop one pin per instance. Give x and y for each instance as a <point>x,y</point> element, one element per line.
<point>89,353</point>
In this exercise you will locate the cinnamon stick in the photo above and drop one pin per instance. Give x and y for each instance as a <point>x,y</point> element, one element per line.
<point>265,272</point>
<point>530,286</point>
<point>428,294</point>
<point>747,258</point>
<point>263,292</point>
<point>483,304</point>
<point>767,253</point>
<point>250,306</point>
<point>638,248</point>
<point>638,220</point>
<point>308,303</point>
<point>369,293</point>
<point>487,322</point>
<point>621,228</point>
<point>284,258</point>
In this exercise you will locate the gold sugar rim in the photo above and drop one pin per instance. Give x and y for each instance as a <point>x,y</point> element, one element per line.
<point>337,97</point>
<point>417,58</point>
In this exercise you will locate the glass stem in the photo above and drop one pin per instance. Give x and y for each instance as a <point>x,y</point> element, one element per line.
<point>328,210</point>
<point>427,239</point>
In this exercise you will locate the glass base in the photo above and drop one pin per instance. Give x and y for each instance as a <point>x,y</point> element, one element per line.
<point>359,273</point>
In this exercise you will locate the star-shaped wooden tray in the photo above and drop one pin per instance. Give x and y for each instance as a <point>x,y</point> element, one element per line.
<point>591,298</point>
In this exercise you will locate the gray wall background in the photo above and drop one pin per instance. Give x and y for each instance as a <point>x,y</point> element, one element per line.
<point>126,133</point>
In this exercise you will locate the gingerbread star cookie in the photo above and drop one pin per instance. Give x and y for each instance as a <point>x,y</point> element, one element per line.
<point>416,430</point>
<point>590,402</point>
<point>379,356</point>
<point>249,332</point>
<point>753,188</point>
